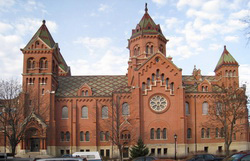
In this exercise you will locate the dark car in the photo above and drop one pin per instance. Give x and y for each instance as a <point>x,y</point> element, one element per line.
<point>240,156</point>
<point>204,157</point>
<point>145,158</point>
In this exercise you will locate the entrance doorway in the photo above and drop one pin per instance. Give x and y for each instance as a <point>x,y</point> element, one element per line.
<point>34,145</point>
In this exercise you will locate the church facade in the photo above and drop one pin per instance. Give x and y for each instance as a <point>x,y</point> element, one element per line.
<point>153,100</point>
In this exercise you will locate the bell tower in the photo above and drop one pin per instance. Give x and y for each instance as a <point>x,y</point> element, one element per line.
<point>226,70</point>
<point>146,40</point>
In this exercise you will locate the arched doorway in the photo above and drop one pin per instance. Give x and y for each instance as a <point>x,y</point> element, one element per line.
<point>33,140</point>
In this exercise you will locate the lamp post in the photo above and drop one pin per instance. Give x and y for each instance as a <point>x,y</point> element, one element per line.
<point>175,138</point>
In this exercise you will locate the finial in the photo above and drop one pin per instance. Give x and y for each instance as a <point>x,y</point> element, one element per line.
<point>146,8</point>
<point>194,66</point>
<point>225,47</point>
<point>44,22</point>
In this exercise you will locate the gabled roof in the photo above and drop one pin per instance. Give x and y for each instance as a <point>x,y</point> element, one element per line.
<point>147,26</point>
<point>100,85</point>
<point>44,34</point>
<point>226,59</point>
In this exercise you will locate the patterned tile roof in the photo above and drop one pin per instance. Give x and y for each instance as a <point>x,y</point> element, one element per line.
<point>226,59</point>
<point>100,85</point>
<point>191,78</point>
<point>189,88</point>
<point>44,34</point>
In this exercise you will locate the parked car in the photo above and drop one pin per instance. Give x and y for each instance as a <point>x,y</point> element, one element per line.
<point>204,157</point>
<point>93,156</point>
<point>240,156</point>
<point>66,155</point>
<point>61,159</point>
<point>145,158</point>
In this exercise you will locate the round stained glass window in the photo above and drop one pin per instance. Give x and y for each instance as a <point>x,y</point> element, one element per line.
<point>158,103</point>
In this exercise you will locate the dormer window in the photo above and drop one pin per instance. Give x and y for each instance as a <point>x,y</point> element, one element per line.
<point>83,93</point>
<point>84,90</point>
<point>86,93</point>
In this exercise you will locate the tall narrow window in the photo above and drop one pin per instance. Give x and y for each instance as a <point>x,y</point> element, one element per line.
<point>152,49</point>
<point>153,78</point>
<point>104,112</point>
<point>148,82</point>
<point>101,136</point>
<point>107,136</point>
<point>87,136</point>
<point>65,112</point>
<point>162,78</point>
<point>202,133</point>
<point>172,88</point>
<point>152,133</point>
<point>86,93</point>
<point>187,108</point>
<point>205,108</point>
<point>62,136</point>
<point>217,132</point>
<point>222,132</point>
<point>189,132</point>
<point>208,132</point>
<point>147,49</point>
<point>143,86</point>
<point>158,133</point>
<point>67,136</point>
<point>167,80</point>
<point>125,109</point>
<point>83,93</point>
<point>81,136</point>
<point>84,112</point>
<point>157,73</point>
<point>164,133</point>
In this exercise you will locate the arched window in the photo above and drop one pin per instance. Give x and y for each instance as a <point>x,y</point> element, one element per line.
<point>148,82</point>
<point>143,86</point>
<point>125,109</point>
<point>84,112</point>
<point>234,73</point>
<point>202,133</point>
<point>158,133</point>
<point>62,136</point>
<point>230,73</point>
<point>147,49</point>
<point>167,80</point>
<point>157,73</point>
<point>101,136</point>
<point>162,78</point>
<point>208,133</point>
<point>205,108</point>
<point>172,88</point>
<point>86,93</point>
<point>217,132</point>
<point>187,108</point>
<point>87,136</point>
<point>135,53</point>
<point>81,136</point>
<point>164,133</point>
<point>67,136</point>
<point>83,93</point>
<point>206,88</point>
<point>107,136</point>
<point>152,133</point>
<point>30,63</point>
<point>46,64</point>
<point>153,78</point>
<point>202,89</point>
<point>65,112</point>
<point>226,73</point>
<point>104,112</point>
<point>42,63</point>
<point>189,133</point>
<point>152,49</point>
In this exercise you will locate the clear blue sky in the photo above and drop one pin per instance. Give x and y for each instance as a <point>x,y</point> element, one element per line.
<point>93,34</point>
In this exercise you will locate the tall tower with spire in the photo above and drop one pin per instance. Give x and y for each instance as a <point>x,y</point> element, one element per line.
<point>226,70</point>
<point>146,39</point>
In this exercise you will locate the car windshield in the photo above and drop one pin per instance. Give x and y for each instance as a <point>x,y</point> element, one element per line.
<point>235,157</point>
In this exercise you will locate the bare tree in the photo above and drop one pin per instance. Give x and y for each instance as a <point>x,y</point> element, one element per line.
<point>246,21</point>
<point>227,111</point>
<point>16,111</point>
<point>120,124</point>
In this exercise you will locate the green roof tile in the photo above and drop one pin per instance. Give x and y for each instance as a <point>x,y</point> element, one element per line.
<point>226,59</point>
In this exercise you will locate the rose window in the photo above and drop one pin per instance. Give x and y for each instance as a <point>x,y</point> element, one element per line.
<point>158,103</point>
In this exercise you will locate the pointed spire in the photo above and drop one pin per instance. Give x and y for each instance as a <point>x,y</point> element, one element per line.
<point>44,34</point>
<point>146,8</point>
<point>226,59</point>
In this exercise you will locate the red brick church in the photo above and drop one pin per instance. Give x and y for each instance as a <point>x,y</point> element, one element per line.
<point>153,100</point>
